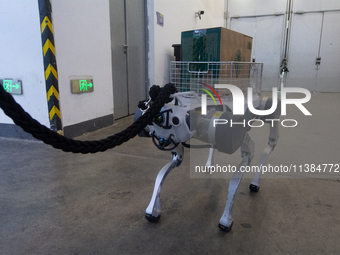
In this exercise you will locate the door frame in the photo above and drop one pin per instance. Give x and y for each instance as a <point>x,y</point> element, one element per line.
<point>123,76</point>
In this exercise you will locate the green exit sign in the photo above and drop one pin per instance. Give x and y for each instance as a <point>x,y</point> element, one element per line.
<point>82,86</point>
<point>12,86</point>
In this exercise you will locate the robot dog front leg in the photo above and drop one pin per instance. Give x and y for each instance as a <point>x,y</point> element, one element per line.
<point>153,211</point>
<point>272,141</point>
<point>210,161</point>
<point>247,150</point>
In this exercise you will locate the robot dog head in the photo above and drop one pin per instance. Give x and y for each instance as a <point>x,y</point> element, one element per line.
<point>172,126</point>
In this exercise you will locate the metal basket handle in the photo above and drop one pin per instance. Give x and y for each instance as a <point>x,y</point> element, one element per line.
<point>197,63</point>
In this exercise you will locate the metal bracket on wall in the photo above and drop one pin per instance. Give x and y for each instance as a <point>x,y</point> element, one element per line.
<point>125,46</point>
<point>318,61</point>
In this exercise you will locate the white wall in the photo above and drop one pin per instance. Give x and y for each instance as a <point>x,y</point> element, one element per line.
<point>83,47</point>
<point>316,5</point>
<point>22,57</point>
<point>179,15</point>
<point>255,7</point>
<point>304,41</point>
<point>260,7</point>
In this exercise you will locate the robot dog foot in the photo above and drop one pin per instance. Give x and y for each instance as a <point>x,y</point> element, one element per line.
<point>226,228</point>
<point>254,188</point>
<point>152,218</point>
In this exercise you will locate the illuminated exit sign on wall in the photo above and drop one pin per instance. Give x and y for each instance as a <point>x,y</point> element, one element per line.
<point>82,86</point>
<point>12,86</point>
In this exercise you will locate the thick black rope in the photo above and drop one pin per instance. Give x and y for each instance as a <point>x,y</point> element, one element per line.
<point>21,118</point>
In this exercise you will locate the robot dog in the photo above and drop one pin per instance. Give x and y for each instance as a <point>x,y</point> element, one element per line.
<point>185,118</point>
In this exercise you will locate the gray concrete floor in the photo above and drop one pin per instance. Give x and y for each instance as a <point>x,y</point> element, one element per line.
<point>62,203</point>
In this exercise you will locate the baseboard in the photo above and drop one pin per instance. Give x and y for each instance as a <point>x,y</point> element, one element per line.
<point>14,131</point>
<point>88,126</point>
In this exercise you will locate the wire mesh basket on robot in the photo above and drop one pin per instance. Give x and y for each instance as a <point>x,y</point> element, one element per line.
<point>192,76</point>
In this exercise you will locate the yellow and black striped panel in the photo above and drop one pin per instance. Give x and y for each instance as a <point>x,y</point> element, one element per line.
<point>50,65</point>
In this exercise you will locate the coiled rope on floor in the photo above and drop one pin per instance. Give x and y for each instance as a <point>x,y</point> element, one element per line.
<point>21,118</point>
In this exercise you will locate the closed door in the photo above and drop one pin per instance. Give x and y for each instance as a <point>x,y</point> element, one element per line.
<point>304,47</point>
<point>267,44</point>
<point>328,76</point>
<point>128,40</point>
<point>313,35</point>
